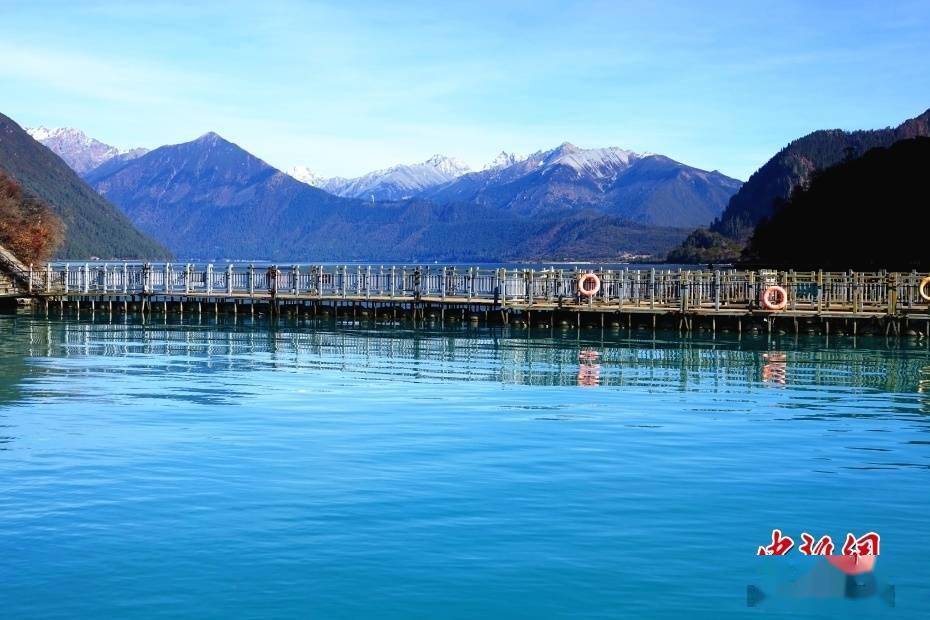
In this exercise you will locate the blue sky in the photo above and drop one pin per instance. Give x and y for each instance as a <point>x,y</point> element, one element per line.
<point>346,87</point>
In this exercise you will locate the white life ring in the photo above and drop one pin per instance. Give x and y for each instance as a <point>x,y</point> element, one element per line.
<point>589,284</point>
<point>775,298</point>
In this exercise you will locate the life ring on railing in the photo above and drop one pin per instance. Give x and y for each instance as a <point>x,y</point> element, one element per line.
<point>775,298</point>
<point>589,284</point>
<point>924,289</point>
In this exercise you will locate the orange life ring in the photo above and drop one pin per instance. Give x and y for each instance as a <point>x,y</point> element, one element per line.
<point>924,289</point>
<point>584,289</point>
<point>775,298</point>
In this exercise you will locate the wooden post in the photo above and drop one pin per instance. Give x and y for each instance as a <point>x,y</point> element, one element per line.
<point>891,283</point>
<point>819,291</point>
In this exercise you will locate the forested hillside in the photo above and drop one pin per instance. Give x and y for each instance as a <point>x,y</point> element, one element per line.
<point>92,226</point>
<point>771,185</point>
<point>865,214</point>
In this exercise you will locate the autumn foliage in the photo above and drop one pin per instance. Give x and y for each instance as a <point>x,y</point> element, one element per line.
<point>28,228</point>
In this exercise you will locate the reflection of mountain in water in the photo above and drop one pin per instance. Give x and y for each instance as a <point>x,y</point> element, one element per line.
<point>464,354</point>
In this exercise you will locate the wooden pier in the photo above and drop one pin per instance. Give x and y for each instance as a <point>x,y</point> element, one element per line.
<point>817,301</point>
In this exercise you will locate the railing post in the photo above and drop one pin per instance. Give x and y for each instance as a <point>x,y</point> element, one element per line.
<point>125,278</point>
<point>684,285</point>
<point>368,282</point>
<point>251,280</point>
<point>295,273</point>
<point>716,289</point>
<point>30,278</point>
<point>209,278</point>
<point>891,284</point>
<point>85,277</point>
<point>819,290</point>
<point>652,288</point>
<point>502,285</point>
<point>48,277</point>
<point>67,275</point>
<point>393,276</point>
<point>229,279</point>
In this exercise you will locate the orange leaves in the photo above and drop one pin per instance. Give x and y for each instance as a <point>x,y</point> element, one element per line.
<point>28,228</point>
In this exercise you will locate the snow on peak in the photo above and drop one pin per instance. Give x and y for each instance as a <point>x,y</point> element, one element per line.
<point>81,152</point>
<point>306,175</point>
<point>503,160</point>
<point>602,162</point>
<point>448,166</point>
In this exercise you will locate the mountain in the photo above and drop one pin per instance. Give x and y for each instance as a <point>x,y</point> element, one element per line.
<point>209,198</point>
<point>93,226</point>
<point>398,182</point>
<point>760,197</point>
<point>305,175</point>
<point>832,219</point>
<point>643,188</point>
<point>503,160</point>
<point>81,152</point>
<point>794,164</point>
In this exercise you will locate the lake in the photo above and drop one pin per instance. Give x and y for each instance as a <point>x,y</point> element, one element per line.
<point>240,469</point>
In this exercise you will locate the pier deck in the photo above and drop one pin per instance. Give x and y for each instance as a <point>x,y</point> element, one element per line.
<point>531,295</point>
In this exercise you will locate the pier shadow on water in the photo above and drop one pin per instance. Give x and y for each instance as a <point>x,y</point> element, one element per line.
<point>220,467</point>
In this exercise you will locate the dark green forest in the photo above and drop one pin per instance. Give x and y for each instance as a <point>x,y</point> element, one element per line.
<point>773,183</point>
<point>868,213</point>
<point>92,226</point>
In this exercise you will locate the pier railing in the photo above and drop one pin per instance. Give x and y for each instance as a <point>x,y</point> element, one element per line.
<point>655,289</point>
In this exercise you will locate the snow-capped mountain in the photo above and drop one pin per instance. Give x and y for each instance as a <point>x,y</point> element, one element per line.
<point>81,152</point>
<point>641,187</point>
<point>503,160</point>
<point>306,175</point>
<point>397,182</point>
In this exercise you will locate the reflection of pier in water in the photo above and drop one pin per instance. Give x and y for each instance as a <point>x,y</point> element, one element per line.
<point>469,354</point>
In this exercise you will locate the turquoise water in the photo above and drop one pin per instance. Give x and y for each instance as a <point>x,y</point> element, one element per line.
<point>316,470</point>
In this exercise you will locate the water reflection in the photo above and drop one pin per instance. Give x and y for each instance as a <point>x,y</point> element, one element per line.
<point>587,358</point>
<point>775,368</point>
<point>589,371</point>
<point>345,452</point>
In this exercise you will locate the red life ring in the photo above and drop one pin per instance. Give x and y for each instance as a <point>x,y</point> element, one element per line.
<point>775,298</point>
<point>583,284</point>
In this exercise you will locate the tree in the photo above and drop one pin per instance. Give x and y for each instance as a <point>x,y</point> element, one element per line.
<point>28,228</point>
